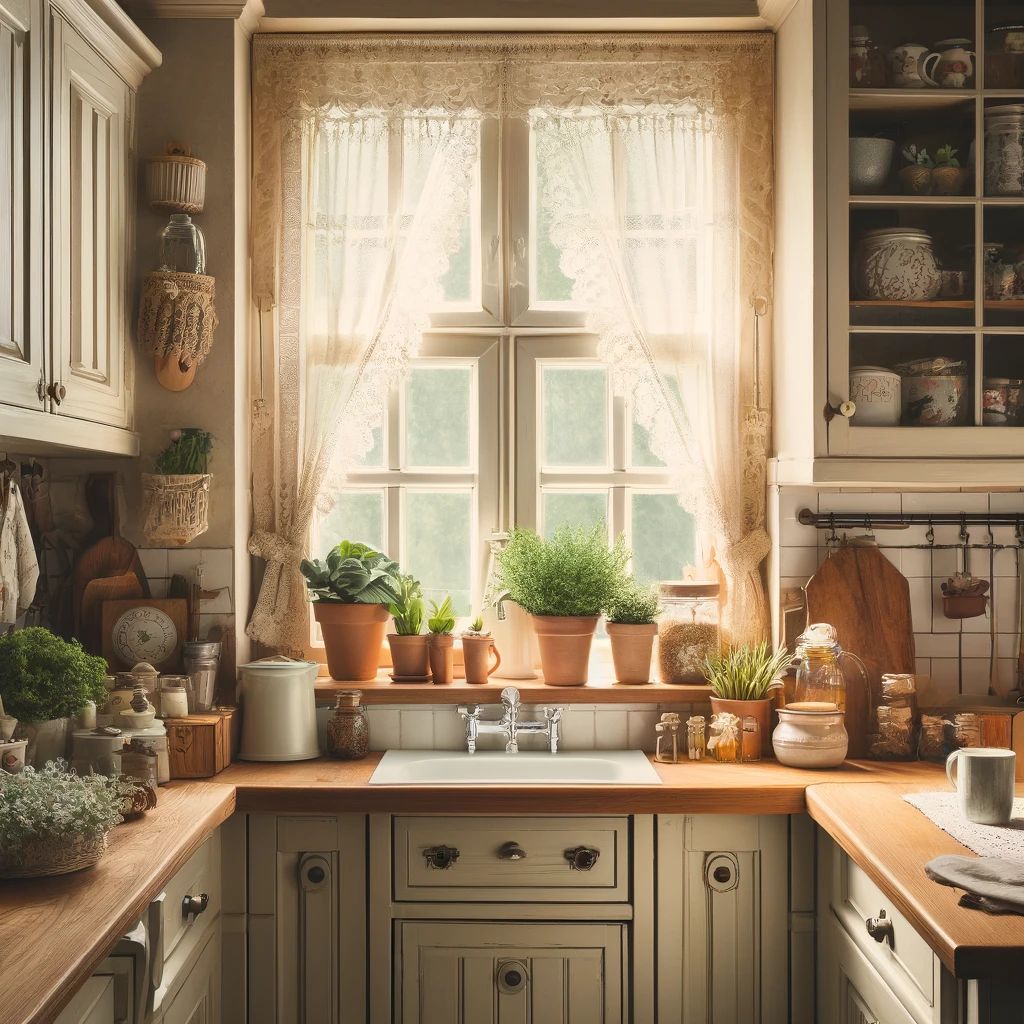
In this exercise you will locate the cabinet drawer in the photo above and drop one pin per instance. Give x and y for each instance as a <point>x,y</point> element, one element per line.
<point>907,964</point>
<point>181,933</point>
<point>518,860</point>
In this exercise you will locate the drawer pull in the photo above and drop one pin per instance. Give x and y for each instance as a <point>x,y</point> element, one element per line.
<point>511,976</point>
<point>441,857</point>
<point>193,906</point>
<point>880,929</point>
<point>582,858</point>
<point>511,851</point>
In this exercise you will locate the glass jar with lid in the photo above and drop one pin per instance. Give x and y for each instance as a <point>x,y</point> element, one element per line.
<point>894,733</point>
<point>688,629</point>
<point>348,731</point>
<point>820,676</point>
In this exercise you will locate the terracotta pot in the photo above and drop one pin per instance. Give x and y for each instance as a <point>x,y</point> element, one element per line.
<point>481,657</point>
<point>409,658</point>
<point>353,636</point>
<point>631,651</point>
<point>964,606</point>
<point>916,180</point>
<point>761,710</point>
<point>564,642</point>
<point>442,657</point>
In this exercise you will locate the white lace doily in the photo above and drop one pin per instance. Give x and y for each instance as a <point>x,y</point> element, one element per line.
<point>985,840</point>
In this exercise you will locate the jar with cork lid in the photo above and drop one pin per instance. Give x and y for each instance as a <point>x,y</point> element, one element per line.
<point>688,629</point>
<point>348,731</point>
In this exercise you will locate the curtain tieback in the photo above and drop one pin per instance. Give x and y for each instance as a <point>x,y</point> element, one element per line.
<point>747,554</point>
<point>272,547</point>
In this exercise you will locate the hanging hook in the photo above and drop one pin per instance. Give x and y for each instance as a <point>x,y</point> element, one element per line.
<point>832,540</point>
<point>930,533</point>
<point>965,539</point>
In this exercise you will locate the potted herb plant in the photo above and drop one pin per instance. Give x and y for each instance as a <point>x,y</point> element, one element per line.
<point>44,681</point>
<point>352,590</point>
<point>631,629</point>
<point>408,643</point>
<point>564,583</point>
<point>740,680</point>
<point>477,650</point>
<point>176,496</point>
<point>948,177</point>
<point>53,822</point>
<point>440,641</point>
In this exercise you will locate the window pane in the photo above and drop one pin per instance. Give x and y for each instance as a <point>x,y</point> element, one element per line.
<point>574,508</point>
<point>438,415</point>
<point>374,458</point>
<point>549,284</point>
<point>357,515</point>
<point>438,543</point>
<point>575,416</point>
<point>662,537</point>
<point>642,455</point>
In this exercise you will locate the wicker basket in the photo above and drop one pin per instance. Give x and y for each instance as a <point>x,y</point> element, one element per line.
<point>177,508</point>
<point>176,181</point>
<point>49,856</point>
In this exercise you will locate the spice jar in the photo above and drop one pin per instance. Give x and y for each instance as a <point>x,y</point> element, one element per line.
<point>348,732</point>
<point>173,696</point>
<point>724,742</point>
<point>687,630</point>
<point>696,743</point>
<point>667,745</point>
<point>894,736</point>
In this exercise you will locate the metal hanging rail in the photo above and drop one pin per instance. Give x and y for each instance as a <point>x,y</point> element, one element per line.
<point>903,520</point>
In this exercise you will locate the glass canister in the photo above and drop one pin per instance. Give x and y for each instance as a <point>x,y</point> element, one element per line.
<point>1004,150</point>
<point>182,246</point>
<point>819,674</point>
<point>894,733</point>
<point>348,731</point>
<point>696,742</point>
<point>724,741</point>
<point>688,629</point>
<point>667,743</point>
<point>173,696</point>
<point>202,662</point>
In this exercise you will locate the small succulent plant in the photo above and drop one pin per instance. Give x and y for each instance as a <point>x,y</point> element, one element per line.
<point>913,155</point>
<point>476,628</point>
<point>408,611</point>
<point>635,606</point>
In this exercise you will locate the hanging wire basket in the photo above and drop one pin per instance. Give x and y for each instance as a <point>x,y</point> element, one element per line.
<point>177,508</point>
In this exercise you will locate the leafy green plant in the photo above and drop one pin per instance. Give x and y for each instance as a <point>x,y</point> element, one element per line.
<point>573,573</point>
<point>634,606</point>
<point>353,573</point>
<point>408,610</point>
<point>745,673</point>
<point>476,628</point>
<point>913,155</point>
<point>945,156</point>
<point>188,452</point>
<point>43,676</point>
<point>442,617</point>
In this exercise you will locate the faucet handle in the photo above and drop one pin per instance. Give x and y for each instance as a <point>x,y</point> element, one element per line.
<point>468,710</point>
<point>553,714</point>
<point>510,697</point>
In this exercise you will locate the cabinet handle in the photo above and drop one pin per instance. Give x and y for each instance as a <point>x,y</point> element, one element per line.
<point>511,976</point>
<point>845,409</point>
<point>582,858</point>
<point>880,929</point>
<point>441,857</point>
<point>511,851</point>
<point>193,906</point>
<point>57,391</point>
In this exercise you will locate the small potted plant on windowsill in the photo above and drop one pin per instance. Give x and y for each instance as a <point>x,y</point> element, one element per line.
<point>564,584</point>
<point>408,643</point>
<point>477,650</point>
<point>631,629</point>
<point>741,679</point>
<point>440,642</point>
<point>352,590</point>
<point>176,497</point>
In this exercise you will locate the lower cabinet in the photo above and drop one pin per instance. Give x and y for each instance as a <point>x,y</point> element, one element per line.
<point>197,1001</point>
<point>93,1003</point>
<point>492,973</point>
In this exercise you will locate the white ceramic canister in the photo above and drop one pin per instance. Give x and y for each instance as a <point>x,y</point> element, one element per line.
<point>875,391</point>
<point>1004,150</point>
<point>896,265</point>
<point>278,710</point>
<point>810,738</point>
<point>955,64</point>
<point>909,66</point>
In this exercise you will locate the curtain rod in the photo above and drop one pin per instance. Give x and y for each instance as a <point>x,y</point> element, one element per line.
<point>899,520</point>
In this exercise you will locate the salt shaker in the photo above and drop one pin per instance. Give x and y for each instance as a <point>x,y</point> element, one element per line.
<point>667,730</point>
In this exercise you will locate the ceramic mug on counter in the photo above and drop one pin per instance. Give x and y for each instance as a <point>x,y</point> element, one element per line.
<point>983,778</point>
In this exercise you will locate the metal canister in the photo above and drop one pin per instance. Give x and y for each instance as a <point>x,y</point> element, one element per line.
<point>202,660</point>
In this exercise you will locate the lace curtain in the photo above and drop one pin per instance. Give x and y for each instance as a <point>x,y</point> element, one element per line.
<point>661,207</point>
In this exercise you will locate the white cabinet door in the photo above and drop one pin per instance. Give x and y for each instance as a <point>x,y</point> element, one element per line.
<point>93,1003</point>
<point>22,178</point>
<point>455,972</point>
<point>91,109</point>
<point>197,1001</point>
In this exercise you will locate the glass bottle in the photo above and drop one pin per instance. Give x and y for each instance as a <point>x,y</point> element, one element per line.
<point>182,246</point>
<point>819,675</point>
<point>724,741</point>
<point>348,731</point>
<point>930,745</point>
<point>667,745</point>
<point>688,630</point>
<point>696,742</point>
<point>750,740</point>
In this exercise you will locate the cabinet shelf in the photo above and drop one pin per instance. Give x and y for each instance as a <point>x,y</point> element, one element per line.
<point>908,100</point>
<point>1012,305</point>
<point>931,304</point>
<point>913,200</point>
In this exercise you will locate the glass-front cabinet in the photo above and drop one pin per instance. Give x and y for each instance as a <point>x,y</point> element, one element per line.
<point>924,145</point>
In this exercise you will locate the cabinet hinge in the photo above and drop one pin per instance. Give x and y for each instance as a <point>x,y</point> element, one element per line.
<point>41,386</point>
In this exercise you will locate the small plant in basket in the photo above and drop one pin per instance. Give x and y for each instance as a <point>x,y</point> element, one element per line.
<point>176,497</point>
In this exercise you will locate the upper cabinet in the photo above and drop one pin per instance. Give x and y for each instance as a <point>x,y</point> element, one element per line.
<point>901,128</point>
<point>70,69</point>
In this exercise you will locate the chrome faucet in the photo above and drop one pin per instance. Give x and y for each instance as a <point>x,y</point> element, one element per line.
<point>509,724</point>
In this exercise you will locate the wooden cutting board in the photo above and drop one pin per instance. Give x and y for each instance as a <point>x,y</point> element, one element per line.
<point>860,592</point>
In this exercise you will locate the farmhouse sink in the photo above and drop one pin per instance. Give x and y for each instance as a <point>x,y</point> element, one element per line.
<point>586,768</point>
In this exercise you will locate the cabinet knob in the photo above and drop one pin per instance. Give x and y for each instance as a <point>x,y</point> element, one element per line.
<point>441,857</point>
<point>582,858</point>
<point>880,929</point>
<point>511,851</point>
<point>56,391</point>
<point>193,906</point>
<point>511,976</point>
<point>845,409</point>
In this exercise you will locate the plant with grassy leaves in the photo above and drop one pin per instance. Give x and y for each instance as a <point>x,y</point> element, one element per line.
<point>408,611</point>
<point>353,573</point>
<point>575,572</point>
<point>476,628</point>
<point>636,605</point>
<point>745,673</point>
<point>442,618</point>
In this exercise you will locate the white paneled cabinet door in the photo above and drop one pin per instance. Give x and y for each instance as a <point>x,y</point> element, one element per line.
<point>91,110</point>
<point>93,1003</point>
<point>454,972</point>
<point>22,363</point>
<point>197,1001</point>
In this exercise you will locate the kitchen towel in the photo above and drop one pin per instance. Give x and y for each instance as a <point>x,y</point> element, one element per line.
<point>992,884</point>
<point>985,840</point>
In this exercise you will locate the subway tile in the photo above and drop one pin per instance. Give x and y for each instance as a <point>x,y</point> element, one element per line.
<point>578,729</point>
<point>417,726</point>
<point>611,729</point>
<point>1008,673</point>
<point>792,500</point>
<point>976,624</point>
<point>975,645</point>
<point>1005,604</point>
<point>861,501</point>
<point>385,728</point>
<point>945,672</point>
<point>934,692</point>
<point>640,733</point>
<point>975,676</point>
<point>936,645</point>
<point>449,729</point>
<point>183,562</point>
<point>158,587</point>
<point>1006,645</point>
<point>154,561</point>
<point>922,669</point>
<point>945,501</point>
<point>217,567</point>
<point>1006,501</point>
<point>794,534</point>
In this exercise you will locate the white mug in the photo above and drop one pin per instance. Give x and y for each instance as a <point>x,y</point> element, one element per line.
<point>983,779</point>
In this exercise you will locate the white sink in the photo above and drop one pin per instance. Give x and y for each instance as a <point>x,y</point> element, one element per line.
<point>445,768</point>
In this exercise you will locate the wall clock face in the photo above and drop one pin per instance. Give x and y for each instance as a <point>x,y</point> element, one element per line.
<point>144,634</point>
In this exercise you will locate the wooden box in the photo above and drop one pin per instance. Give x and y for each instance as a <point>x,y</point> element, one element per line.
<point>200,746</point>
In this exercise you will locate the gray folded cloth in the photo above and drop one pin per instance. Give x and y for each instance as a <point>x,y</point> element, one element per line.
<point>992,884</point>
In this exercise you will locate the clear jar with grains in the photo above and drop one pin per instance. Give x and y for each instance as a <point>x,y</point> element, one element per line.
<point>688,630</point>
<point>894,736</point>
<point>348,731</point>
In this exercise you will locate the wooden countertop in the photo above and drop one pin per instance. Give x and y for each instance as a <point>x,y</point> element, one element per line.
<point>54,931</point>
<point>892,841</point>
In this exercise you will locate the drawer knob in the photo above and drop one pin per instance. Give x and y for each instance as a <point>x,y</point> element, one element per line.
<point>880,929</point>
<point>511,851</point>
<point>193,906</point>
<point>512,976</point>
<point>582,858</point>
<point>440,857</point>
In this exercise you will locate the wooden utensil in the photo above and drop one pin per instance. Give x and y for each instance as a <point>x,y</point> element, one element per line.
<point>860,592</point>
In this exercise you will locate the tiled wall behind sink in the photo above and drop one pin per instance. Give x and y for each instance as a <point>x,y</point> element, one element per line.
<point>215,566</point>
<point>952,654</point>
